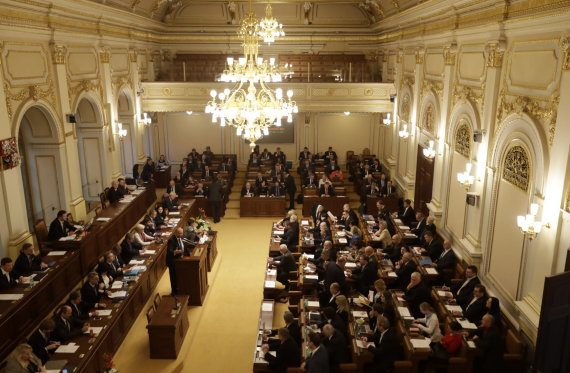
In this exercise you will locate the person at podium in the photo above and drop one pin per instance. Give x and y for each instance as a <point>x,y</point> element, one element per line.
<point>174,250</point>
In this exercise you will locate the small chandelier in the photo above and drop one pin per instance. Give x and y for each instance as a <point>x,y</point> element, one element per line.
<point>251,107</point>
<point>528,224</point>
<point>387,121</point>
<point>122,133</point>
<point>404,134</point>
<point>429,152</point>
<point>146,120</point>
<point>465,178</point>
<point>269,28</point>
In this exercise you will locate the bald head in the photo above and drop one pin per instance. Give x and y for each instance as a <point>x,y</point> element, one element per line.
<point>328,330</point>
<point>447,244</point>
<point>179,232</point>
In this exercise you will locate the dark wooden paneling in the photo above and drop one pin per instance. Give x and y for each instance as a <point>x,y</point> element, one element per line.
<point>424,182</point>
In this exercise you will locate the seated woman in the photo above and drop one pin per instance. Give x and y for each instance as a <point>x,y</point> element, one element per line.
<point>383,234</point>
<point>162,161</point>
<point>141,238</point>
<point>355,237</point>
<point>389,306</point>
<point>161,217</point>
<point>281,223</point>
<point>379,288</point>
<point>342,307</point>
<point>430,322</point>
<point>494,310</point>
<point>263,189</point>
<point>22,360</point>
<point>448,345</point>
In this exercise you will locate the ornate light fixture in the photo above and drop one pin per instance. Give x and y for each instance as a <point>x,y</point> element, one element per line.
<point>387,121</point>
<point>429,152</point>
<point>465,178</point>
<point>528,223</point>
<point>404,134</point>
<point>121,132</point>
<point>251,106</point>
<point>146,120</point>
<point>269,28</point>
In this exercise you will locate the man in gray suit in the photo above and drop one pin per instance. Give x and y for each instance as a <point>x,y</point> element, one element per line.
<point>215,198</point>
<point>318,362</point>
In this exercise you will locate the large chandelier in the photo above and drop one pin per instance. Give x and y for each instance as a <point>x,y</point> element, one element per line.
<point>269,28</point>
<point>251,106</point>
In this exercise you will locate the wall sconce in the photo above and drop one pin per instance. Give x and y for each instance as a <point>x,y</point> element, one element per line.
<point>404,134</point>
<point>429,153</point>
<point>465,178</point>
<point>528,224</point>
<point>189,112</point>
<point>146,120</point>
<point>387,121</point>
<point>122,133</point>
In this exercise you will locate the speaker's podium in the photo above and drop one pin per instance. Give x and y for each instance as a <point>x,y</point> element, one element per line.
<point>192,275</point>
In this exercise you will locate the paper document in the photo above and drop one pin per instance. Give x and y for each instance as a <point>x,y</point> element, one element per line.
<point>56,253</point>
<point>431,271</point>
<point>359,314</point>
<point>278,233</point>
<point>404,227</point>
<point>124,200</point>
<point>68,238</point>
<point>149,252</point>
<point>471,344</point>
<point>466,324</point>
<point>404,311</point>
<point>117,285</point>
<point>269,284</point>
<point>313,303</point>
<point>360,344</point>
<point>309,256</point>
<point>342,240</point>
<point>272,272</point>
<point>165,234</point>
<point>397,221</point>
<point>95,329</point>
<point>267,307</point>
<point>312,277</point>
<point>341,233</point>
<point>104,312</point>
<point>350,265</point>
<point>453,308</point>
<point>11,296</point>
<point>420,343</point>
<point>442,293</point>
<point>392,274</point>
<point>103,219</point>
<point>135,261</point>
<point>400,299</point>
<point>174,213</point>
<point>304,222</point>
<point>67,349</point>
<point>118,294</point>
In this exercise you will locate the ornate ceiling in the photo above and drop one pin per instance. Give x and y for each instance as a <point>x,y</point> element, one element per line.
<point>292,13</point>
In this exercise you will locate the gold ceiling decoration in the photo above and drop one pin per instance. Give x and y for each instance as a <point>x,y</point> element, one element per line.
<point>463,139</point>
<point>516,168</point>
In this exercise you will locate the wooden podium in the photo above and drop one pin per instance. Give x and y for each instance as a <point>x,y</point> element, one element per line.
<point>167,329</point>
<point>192,275</point>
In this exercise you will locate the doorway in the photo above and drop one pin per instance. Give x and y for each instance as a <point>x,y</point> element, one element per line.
<point>424,182</point>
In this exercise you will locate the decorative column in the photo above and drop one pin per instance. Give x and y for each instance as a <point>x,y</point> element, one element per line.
<point>71,183</point>
<point>137,126</point>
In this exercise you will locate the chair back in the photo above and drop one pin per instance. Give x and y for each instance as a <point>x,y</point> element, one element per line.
<point>366,151</point>
<point>98,211</point>
<point>403,366</point>
<point>102,199</point>
<point>156,300</point>
<point>41,234</point>
<point>150,313</point>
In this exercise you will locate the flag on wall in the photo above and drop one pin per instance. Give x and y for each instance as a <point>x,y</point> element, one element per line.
<point>9,153</point>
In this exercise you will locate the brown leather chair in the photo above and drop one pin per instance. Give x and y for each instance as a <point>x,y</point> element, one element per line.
<point>102,199</point>
<point>156,300</point>
<point>41,231</point>
<point>514,353</point>
<point>98,211</point>
<point>150,313</point>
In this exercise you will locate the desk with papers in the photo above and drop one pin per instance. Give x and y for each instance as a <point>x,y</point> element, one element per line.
<point>262,206</point>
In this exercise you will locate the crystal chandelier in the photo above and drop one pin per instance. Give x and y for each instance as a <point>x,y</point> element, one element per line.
<point>251,106</point>
<point>269,28</point>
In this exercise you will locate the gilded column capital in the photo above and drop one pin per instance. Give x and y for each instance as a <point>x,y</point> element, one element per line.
<point>495,53</point>
<point>385,57</point>
<point>400,56</point>
<point>419,57</point>
<point>565,47</point>
<point>58,54</point>
<point>105,55</point>
<point>449,54</point>
<point>133,56</point>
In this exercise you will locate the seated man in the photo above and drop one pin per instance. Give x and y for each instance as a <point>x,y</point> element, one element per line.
<point>115,193</point>
<point>419,228</point>
<point>60,227</point>
<point>42,345</point>
<point>488,339</point>
<point>415,294</point>
<point>364,275</point>
<point>319,360</point>
<point>310,181</point>
<point>92,291</point>
<point>65,328</point>
<point>290,237</point>
<point>388,190</point>
<point>432,247</point>
<point>207,173</point>
<point>247,190</point>
<point>174,187</point>
<point>8,278</point>
<point>326,190</point>
<point>170,204</point>
<point>284,263</point>
<point>335,343</point>
<point>476,308</point>
<point>277,190</point>
<point>387,350</point>
<point>288,353</point>
<point>305,154</point>
<point>407,214</point>
<point>446,259</point>
<point>201,190</point>
<point>27,262</point>
<point>404,270</point>
<point>254,161</point>
<point>294,331</point>
<point>372,189</point>
<point>79,312</point>
<point>129,248</point>
<point>463,291</point>
<point>259,180</point>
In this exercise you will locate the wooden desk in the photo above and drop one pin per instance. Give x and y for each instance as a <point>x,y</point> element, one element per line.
<point>262,206</point>
<point>192,275</point>
<point>333,204</point>
<point>19,318</point>
<point>167,329</point>
<point>104,235</point>
<point>212,250</point>
<point>265,322</point>
<point>162,176</point>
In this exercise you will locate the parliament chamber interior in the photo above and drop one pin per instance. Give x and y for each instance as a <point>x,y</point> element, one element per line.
<point>285,186</point>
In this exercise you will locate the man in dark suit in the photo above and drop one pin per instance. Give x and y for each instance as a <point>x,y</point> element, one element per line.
<point>60,227</point>
<point>415,294</point>
<point>79,311</point>
<point>326,190</point>
<point>311,181</point>
<point>446,259</point>
<point>372,189</point>
<point>318,362</point>
<point>277,190</point>
<point>364,275</point>
<point>40,341</point>
<point>170,204</point>
<point>92,291</point>
<point>476,308</point>
<point>335,343</point>
<point>291,189</point>
<point>284,263</point>
<point>334,291</point>
<point>335,273</point>
<point>115,193</point>
<point>306,168</point>
<point>463,291</point>
<point>404,270</point>
<point>8,278</point>
<point>429,227</point>
<point>291,237</point>
<point>330,316</point>
<point>288,353</point>
<point>487,338</point>
<point>388,190</point>
<point>387,350</point>
<point>64,326</point>
<point>27,262</point>
<point>207,173</point>
<point>305,154</point>
<point>394,251</point>
<point>174,187</point>
<point>432,247</point>
<point>407,214</point>
<point>294,331</point>
<point>279,156</point>
<point>215,198</point>
<point>129,248</point>
<point>247,190</point>
<point>174,250</point>
<point>419,228</point>
<point>330,154</point>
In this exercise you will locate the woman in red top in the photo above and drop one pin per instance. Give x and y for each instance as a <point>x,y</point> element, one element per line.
<point>445,347</point>
<point>451,341</point>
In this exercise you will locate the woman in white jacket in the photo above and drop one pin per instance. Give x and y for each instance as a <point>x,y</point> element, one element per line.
<point>142,238</point>
<point>431,328</point>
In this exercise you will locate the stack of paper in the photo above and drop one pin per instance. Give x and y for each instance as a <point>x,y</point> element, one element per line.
<point>312,277</point>
<point>67,349</point>
<point>471,344</point>
<point>313,303</point>
<point>431,271</point>
<point>466,324</point>
<point>359,314</point>
<point>68,238</point>
<point>392,274</point>
<point>118,294</point>
<point>269,284</point>
<point>350,265</point>
<point>267,307</point>
<point>148,252</point>
<point>397,221</point>
<point>342,240</point>
<point>117,285</point>
<point>278,233</point>
<point>404,227</point>
<point>453,308</point>
<point>174,213</point>
<point>304,222</point>
<point>420,343</point>
<point>103,219</point>
<point>360,344</point>
<point>135,261</point>
<point>104,312</point>
<point>404,311</point>
<point>11,296</point>
<point>442,293</point>
<point>56,253</point>
<point>95,329</point>
<point>272,272</point>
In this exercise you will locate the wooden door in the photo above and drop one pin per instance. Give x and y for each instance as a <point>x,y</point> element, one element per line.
<point>49,186</point>
<point>424,182</point>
